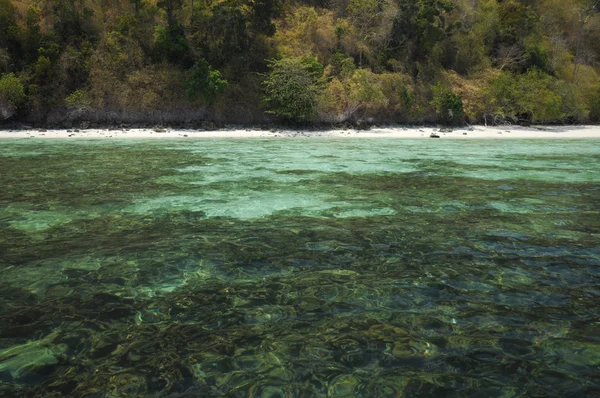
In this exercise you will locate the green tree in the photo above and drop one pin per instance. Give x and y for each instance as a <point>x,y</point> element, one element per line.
<point>586,11</point>
<point>220,34</point>
<point>205,82</point>
<point>171,7</point>
<point>78,100</point>
<point>171,44</point>
<point>263,11</point>
<point>73,21</point>
<point>448,106</point>
<point>420,24</point>
<point>10,33</point>
<point>533,95</point>
<point>12,95</point>
<point>292,89</point>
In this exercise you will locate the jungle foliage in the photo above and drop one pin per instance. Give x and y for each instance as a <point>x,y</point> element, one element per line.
<point>317,61</point>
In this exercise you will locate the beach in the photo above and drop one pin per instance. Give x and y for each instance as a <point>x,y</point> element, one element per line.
<point>474,132</point>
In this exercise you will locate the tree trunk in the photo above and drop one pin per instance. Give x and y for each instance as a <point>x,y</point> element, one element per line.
<point>578,50</point>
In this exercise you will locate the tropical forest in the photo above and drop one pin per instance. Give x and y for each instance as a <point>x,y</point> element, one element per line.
<point>249,62</point>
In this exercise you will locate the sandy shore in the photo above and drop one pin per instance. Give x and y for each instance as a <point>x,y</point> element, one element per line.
<point>475,132</point>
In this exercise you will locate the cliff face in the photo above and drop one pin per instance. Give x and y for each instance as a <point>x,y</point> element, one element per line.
<point>6,111</point>
<point>186,118</point>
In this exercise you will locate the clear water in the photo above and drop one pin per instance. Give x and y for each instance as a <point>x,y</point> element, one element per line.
<point>299,268</point>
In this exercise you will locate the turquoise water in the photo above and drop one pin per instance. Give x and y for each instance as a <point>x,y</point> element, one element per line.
<point>299,268</point>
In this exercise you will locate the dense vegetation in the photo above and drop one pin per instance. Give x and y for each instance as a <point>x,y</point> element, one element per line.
<point>328,61</point>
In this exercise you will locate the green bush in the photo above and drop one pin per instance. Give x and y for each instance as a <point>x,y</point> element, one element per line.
<point>170,44</point>
<point>43,67</point>
<point>534,94</point>
<point>12,95</point>
<point>342,65</point>
<point>12,90</point>
<point>205,82</point>
<point>292,88</point>
<point>448,106</point>
<point>78,99</point>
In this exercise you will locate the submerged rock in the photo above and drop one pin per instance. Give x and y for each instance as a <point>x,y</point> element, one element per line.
<point>127,385</point>
<point>18,363</point>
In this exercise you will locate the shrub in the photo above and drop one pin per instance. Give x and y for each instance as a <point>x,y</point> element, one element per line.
<point>171,44</point>
<point>78,100</point>
<point>292,88</point>
<point>43,67</point>
<point>205,82</point>
<point>448,106</point>
<point>366,89</point>
<point>11,89</point>
<point>12,95</point>
<point>342,65</point>
<point>534,94</point>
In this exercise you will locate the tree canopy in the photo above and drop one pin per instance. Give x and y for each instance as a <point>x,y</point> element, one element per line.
<point>309,61</point>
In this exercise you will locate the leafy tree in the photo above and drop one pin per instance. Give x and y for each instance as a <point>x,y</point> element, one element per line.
<point>342,65</point>
<point>171,7</point>
<point>8,21</point>
<point>73,21</point>
<point>365,89</point>
<point>10,33</point>
<point>137,4</point>
<point>12,95</point>
<point>220,34</point>
<point>43,68</point>
<point>78,99</point>
<point>171,44</point>
<point>205,82</point>
<point>532,95</point>
<point>420,24</point>
<point>364,15</point>
<point>263,11</point>
<point>448,106</point>
<point>516,22</point>
<point>78,102</point>
<point>292,88</point>
<point>586,11</point>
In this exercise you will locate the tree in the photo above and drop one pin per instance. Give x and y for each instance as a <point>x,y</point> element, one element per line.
<point>420,24</point>
<point>172,45</point>
<point>205,82</point>
<point>585,13</point>
<point>219,34</point>
<point>292,88</point>
<point>12,95</point>
<point>364,15</point>
<point>448,106</point>
<point>263,11</point>
<point>137,4</point>
<point>9,30</point>
<point>170,7</point>
<point>533,95</point>
<point>73,20</point>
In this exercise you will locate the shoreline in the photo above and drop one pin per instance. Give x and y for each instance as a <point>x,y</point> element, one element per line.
<point>400,132</point>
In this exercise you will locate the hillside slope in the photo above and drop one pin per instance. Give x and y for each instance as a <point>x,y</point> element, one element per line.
<point>185,62</point>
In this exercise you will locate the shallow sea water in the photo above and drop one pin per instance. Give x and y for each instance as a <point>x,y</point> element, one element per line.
<point>300,268</point>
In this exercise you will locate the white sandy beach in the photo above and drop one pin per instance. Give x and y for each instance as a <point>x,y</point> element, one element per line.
<point>475,132</point>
